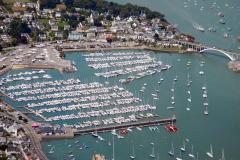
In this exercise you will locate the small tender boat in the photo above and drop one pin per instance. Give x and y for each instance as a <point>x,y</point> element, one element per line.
<point>171,128</point>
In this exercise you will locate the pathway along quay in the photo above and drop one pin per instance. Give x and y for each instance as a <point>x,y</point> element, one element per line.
<point>124,126</point>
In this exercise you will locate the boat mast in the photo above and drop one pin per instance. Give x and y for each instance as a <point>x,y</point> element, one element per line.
<point>113,155</point>
<point>172,149</point>
<point>223,156</point>
<point>153,150</point>
<point>211,149</point>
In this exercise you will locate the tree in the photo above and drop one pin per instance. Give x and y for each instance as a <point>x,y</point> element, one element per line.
<point>109,17</point>
<point>24,39</point>
<point>17,27</point>
<point>97,23</point>
<point>3,147</point>
<point>65,34</point>
<point>68,3</point>
<point>48,3</point>
<point>14,42</point>
<point>81,18</point>
<point>156,37</point>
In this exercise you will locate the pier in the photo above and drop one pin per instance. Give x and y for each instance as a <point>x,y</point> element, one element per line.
<point>197,47</point>
<point>124,126</point>
<point>6,95</point>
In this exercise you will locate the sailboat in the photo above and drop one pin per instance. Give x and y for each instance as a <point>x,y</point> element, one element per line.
<point>183,148</point>
<point>113,154</point>
<point>152,155</point>
<point>206,110</point>
<point>173,96</point>
<point>189,102</point>
<point>191,154</point>
<point>171,152</point>
<point>210,154</point>
<point>189,93</point>
<point>223,156</point>
<point>51,150</point>
<point>133,154</point>
<point>180,156</point>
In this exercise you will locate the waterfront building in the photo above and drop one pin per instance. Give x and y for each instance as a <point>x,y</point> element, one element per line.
<point>75,36</point>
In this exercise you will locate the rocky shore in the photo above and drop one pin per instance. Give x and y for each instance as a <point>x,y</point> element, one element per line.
<point>234,66</point>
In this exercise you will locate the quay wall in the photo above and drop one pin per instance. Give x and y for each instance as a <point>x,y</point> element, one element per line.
<point>68,135</point>
<point>37,66</point>
<point>124,48</point>
<point>109,128</point>
<point>100,49</point>
<point>5,70</point>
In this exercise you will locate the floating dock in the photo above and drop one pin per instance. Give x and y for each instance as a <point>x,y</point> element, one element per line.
<point>5,95</point>
<point>124,126</point>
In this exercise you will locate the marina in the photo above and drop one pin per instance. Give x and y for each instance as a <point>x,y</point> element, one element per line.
<point>120,103</point>
<point>104,106</point>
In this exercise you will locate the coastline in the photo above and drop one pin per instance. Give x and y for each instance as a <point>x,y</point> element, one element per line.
<point>61,68</point>
<point>35,139</point>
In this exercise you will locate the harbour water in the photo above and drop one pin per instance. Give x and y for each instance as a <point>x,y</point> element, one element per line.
<point>220,128</point>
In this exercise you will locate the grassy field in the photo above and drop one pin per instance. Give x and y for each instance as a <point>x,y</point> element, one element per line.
<point>44,21</point>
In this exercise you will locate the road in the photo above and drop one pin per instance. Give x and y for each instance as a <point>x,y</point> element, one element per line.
<point>32,135</point>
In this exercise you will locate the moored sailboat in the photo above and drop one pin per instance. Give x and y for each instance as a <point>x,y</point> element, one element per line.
<point>171,152</point>
<point>133,154</point>
<point>210,154</point>
<point>152,155</point>
<point>183,148</point>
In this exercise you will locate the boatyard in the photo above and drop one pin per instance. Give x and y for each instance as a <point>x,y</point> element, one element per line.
<point>43,56</point>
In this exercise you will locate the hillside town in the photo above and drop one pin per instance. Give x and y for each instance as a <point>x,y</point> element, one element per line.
<point>37,24</point>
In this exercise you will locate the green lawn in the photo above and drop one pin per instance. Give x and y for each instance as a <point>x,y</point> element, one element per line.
<point>61,25</point>
<point>44,21</point>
